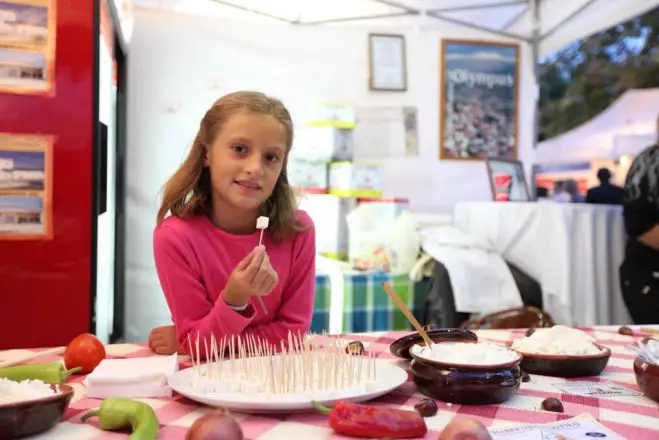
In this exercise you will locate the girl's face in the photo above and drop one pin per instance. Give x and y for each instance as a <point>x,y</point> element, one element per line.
<point>245,161</point>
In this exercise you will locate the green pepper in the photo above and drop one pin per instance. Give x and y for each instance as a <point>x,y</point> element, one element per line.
<point>53,372</point>
<point>119,413</point>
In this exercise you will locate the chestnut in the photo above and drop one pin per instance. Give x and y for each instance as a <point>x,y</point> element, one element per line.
<point>624,330</point>
<point>426,408</point>
<point>355,347</point>
<point>552,404</point>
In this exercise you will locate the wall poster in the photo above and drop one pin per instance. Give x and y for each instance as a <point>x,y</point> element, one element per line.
<point>478,100</point>
<point>26,181</point>
<point>27,46</point>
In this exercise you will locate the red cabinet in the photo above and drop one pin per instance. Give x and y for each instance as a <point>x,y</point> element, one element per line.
<point>45,286</point>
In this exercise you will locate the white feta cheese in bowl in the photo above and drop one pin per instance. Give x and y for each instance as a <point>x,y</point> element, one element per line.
<point>557,340</point>
<point>467,354</point>
<point>562,351</point>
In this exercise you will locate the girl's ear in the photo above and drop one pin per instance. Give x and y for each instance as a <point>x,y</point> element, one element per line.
<point>205,159</point>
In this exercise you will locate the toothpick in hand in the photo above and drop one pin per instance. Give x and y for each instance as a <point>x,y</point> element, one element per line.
<point>262,224</point>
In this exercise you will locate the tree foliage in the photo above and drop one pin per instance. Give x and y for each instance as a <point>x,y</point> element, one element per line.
<point>584,78</point>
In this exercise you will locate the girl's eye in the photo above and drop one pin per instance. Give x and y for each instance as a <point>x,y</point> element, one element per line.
<point>272,158</point>
<point>240,149</point>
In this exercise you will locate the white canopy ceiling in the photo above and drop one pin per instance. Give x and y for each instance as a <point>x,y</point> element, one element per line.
<point>625,127</point>
<point>560,21</point>
<point>547,25</point>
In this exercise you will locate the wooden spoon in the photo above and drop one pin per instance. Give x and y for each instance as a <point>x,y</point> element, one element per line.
<point>406,311</point>
<point>652,331</point>
<point>31,357</point>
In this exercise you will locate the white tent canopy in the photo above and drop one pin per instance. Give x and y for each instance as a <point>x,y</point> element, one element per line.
<point>544,25</point>
<point>625,127</point>
<point>559,22</point>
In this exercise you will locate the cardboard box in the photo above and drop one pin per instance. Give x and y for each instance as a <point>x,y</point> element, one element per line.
<point>329,213</point>
<point>348,179</point>
<point>308,177</point>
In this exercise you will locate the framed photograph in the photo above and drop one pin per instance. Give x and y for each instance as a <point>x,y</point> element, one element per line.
<point>27,46</point>
<point>387,63</point>
<point>25,187</point>
<point>479,100</point>
<point>507,180</point>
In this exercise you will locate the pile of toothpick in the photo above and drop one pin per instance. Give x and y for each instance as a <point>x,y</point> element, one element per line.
<point>301,365</point>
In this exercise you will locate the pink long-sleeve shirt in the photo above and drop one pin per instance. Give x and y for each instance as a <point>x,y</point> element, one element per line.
<point>194,260</point>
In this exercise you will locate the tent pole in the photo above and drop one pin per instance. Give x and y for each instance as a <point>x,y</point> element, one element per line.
<point>480,6</point>
<point>535,49</point>
<point>348,19</point>
<point>438,16</point>
<point>514,19</point>
<point>253,11</point>
<point>395,4</point>
<point>477,27</point>
<point>567,19</point>
<point>535,132</point>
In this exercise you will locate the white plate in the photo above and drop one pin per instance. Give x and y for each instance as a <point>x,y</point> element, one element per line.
<point>389,377</point>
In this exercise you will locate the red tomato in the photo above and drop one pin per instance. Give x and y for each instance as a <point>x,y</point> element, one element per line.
<point>85,351</point>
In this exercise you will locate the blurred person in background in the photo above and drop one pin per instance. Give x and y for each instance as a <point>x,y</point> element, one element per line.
<point>639,272</point>
<point>606,193</point>
<point>559,194</point>
<point>541,193</point>
<point>572,188</point>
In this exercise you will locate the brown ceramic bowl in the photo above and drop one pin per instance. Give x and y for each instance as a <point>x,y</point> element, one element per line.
<point>401,347</point>
<point>466,384</point>
<point>30,417</point>
<point>558,365</point>
<point>647,378</point>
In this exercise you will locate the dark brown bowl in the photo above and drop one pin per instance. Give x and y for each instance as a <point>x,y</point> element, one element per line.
<point>30,417</point>
<point>401,347</point>
<point>466,384</point>
<point>557,365</point>
<point>647,378</point>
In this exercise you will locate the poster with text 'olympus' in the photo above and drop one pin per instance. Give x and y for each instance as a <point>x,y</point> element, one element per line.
<point>478,100</point>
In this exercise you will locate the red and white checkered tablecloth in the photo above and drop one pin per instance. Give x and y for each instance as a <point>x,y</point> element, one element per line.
<point>632,417</point>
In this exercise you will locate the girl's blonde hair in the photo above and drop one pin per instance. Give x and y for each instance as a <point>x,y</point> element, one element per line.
<point>188,191</point>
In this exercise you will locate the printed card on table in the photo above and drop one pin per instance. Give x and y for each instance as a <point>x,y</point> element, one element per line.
<point>583,427</point>
<point>595,389</point>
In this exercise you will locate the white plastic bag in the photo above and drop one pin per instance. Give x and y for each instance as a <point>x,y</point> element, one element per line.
<point>382,243</point>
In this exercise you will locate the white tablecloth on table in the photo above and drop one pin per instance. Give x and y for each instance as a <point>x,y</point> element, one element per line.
<point>572,250</point>
<point>480,279</point>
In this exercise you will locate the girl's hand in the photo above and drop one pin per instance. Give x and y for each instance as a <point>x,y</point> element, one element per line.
<point>162,340</point>
<point>254,276</point>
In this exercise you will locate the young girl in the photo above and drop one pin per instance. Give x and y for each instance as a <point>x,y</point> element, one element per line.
<point>207,256</point>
